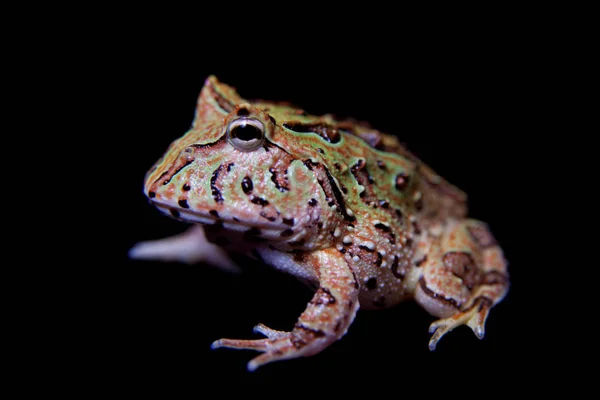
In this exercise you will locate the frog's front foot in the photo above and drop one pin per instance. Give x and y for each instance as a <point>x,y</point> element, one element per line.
<point>279,345</point>
<point>326,318</point>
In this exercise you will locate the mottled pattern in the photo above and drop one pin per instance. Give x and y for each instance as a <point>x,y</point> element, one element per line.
<point>344,207</point>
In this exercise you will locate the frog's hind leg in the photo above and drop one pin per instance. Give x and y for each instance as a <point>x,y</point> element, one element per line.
<point>464,276</point>
<point>189,247</point>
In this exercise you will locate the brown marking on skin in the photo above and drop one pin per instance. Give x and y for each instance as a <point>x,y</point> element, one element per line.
<point>420,262</point>
<point>384,204</point>
<point>152,194</point>
<point>247,185</point>
<point>259,200</point>
<point>481,236</point>
<point>381,165</point>
<point>229,166</point>
<point>463,266</point>
<point>267,217</point>
<point>183,203</point>
<point>363,178</point>
<point>313,202</point>
<point>320,150</point>
<point>272,119</point>
<point>288,221</point>
<point>281,182</point>
<point>330,188</point>
<point>222,101</point>
<point>383,227</point>
<point>214,213</point>
<point>395,268</point>
<point>327,132</point>
<point>365,248</point>
<point>379,259</point>
<point>416,228</point>
<point>323,296</point>
<point>435,296</point>
<point>300,257</point>
<point>287,233</point>
<point>494,278</point>
<point>342,250</point>
<point>186,187</point>
<point>356,285</point>
<point>216,193</point>
<point>371,283</point>
<point>314,332</point>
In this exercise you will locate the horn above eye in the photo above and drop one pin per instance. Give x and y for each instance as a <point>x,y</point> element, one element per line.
<point>245,134</point>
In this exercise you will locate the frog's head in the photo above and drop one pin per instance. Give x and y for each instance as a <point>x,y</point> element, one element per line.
<point>241,169</point>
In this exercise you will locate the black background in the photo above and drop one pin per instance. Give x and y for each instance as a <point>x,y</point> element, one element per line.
<point>464,106</point>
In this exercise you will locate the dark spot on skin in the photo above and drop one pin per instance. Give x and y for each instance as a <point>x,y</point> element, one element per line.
<point>356,286</point>
<point>259,200</point>
<point>174,213</point>
<point>151,195</point>
<point>308,164</point>
<point>214,213</point>
<point>279,186</point>
<point>434,295</point>
<point>320,150</point>
<point>370,179</point>
<point>229,166</point>
<point>395,264</point>
<point>236,219</point>
<point>383,227</point>
<point>365,248</point>
<point>185,187</point>
<point>401,181</point>
<point>342,250</point>
<point>381,164</point>
<point>344,189</point>
<point>313,202</point>
<point>351,225</point>
<point>247,185</point>
<point>183,203</point>
<point>323,296</point>
<point>264,215</point>
<point>287,233</point>
<point>216,193</point>
<point>384,204</point>
<point>288,221</point>
<point>379,259</point>
<point>416,228</point>
<point>273,120</point>
<point>420,262</point>
<point>337,166</point>
<point>320,225</point>
<point>338,326</point>
<point>371,283</point>
<point>300,257</point>
<point>188,162</point>
<point>481,236</point>
<point>242,112</point>
<point>379,302</point>
<point>408,243</point>
<point>398,213</point>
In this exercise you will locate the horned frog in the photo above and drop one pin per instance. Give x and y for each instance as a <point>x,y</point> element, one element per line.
<point>341,206</point>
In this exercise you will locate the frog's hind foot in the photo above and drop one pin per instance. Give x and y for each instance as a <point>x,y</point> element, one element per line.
<point>462,278</point>
<point>474,317</point>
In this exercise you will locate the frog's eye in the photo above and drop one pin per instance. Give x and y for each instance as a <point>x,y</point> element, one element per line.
<point>245,134</point>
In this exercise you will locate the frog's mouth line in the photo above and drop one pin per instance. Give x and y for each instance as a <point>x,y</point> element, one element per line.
<point>276,231</point>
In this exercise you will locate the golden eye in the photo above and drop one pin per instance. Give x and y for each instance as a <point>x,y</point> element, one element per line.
<point>245,134</point>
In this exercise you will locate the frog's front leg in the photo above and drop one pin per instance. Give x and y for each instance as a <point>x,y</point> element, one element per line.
<point>189,247</point>
<point>462,278</point>
<point>326,318</point>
